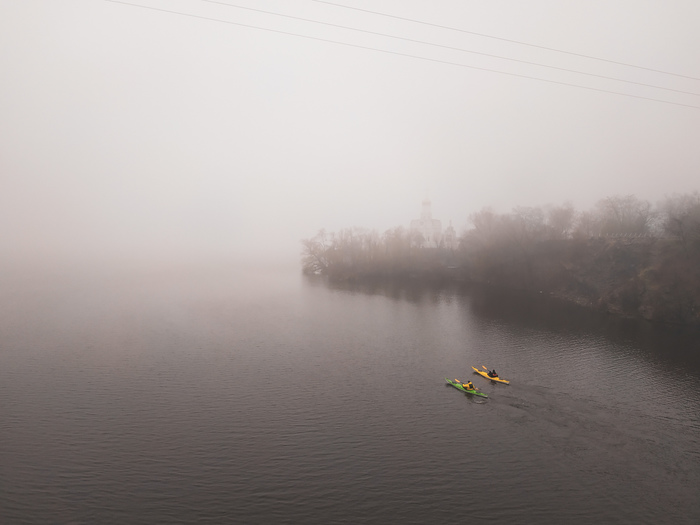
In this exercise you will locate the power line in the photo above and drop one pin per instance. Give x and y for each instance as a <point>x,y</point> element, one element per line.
<point>449,47</point>
<point>505,39</point>
<point>400,54</point>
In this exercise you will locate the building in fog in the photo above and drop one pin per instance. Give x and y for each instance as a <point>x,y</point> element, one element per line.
<point>426,232</point>
<point>449,238</point>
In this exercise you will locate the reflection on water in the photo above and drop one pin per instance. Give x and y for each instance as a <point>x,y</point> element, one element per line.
<point>241,395</point>
<point>676,344</point>
<point>410,290</point>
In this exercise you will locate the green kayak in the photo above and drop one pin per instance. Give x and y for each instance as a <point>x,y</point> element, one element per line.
<point>461,387</point>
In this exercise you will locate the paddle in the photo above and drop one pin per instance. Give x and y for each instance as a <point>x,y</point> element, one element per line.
<point>464,385</point>
<point>482,366</point>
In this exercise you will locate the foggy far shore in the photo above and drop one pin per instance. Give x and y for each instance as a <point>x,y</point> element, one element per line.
<point>625,256</point>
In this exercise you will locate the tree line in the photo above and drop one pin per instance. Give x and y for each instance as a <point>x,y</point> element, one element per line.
<point>624,255</point>
<point>363,250</point>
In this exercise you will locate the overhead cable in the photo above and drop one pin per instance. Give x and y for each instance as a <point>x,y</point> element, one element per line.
<point>505,39</point>
<point>376,33</point>
<point>249,26</point>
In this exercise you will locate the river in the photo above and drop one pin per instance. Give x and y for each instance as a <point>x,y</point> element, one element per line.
<point>227,394</point>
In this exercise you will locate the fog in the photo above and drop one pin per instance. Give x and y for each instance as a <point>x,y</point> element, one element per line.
<point>193,130</point>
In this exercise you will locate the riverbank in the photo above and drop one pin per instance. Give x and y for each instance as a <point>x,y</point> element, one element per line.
<point>648,278</point>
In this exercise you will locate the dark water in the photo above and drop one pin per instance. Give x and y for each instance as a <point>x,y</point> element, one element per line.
<point>222,395</point>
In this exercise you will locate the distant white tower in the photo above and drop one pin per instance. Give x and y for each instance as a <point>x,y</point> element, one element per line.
<point>449,239</point>
<point>429,228</point>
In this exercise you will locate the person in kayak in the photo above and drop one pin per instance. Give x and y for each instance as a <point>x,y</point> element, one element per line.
<point>493,373</point>
<point>469,386</point>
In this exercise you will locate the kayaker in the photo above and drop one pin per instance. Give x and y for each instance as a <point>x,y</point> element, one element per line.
<point>469,386</point>
<point>493,373</point>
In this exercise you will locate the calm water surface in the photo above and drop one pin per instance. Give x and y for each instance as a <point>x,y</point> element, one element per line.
<point>230,395</point>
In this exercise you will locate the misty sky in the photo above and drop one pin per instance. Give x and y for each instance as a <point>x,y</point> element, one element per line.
<point>126,130</point>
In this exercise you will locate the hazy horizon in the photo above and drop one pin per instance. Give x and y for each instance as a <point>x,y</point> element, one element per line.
<point>212,131</point>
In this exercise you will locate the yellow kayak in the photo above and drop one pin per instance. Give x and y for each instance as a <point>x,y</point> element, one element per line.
<point>496,379</point>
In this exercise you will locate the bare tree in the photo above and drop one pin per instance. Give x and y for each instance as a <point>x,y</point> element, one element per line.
<point>528,224</point>
<point>624,214</point>
<point>315,253</point>
<point>681,218</point>
<point>560,220</point>
<point>586,224</point>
